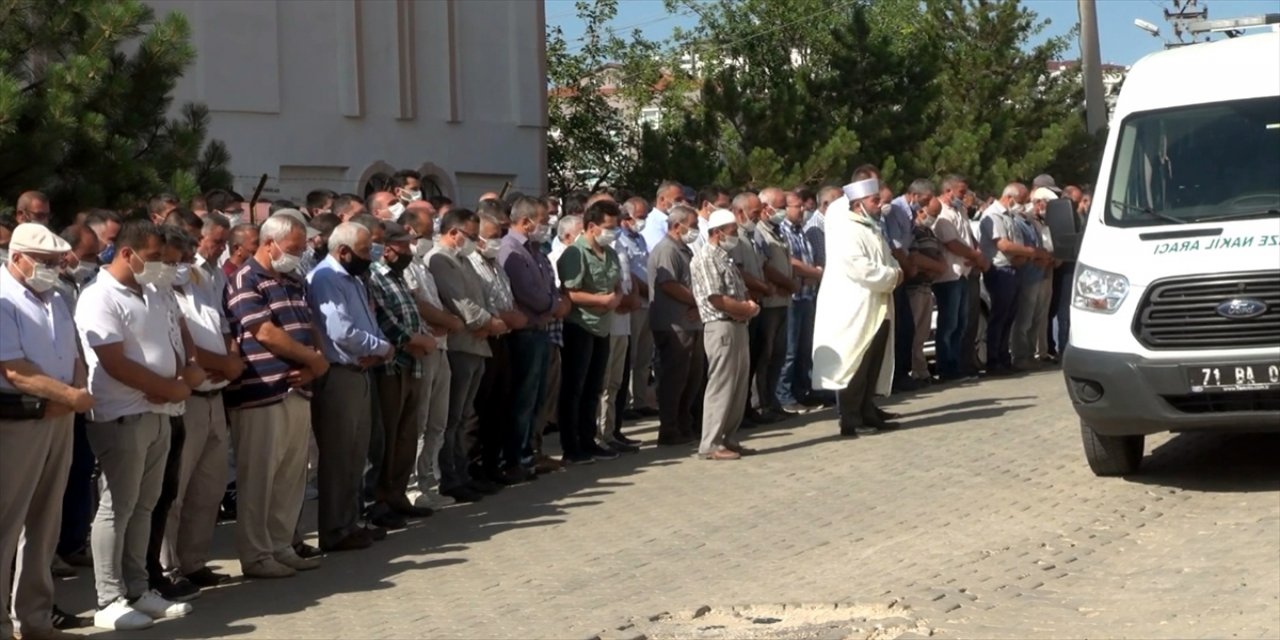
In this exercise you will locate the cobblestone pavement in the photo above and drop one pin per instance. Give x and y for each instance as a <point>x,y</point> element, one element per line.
<point>980,519</point>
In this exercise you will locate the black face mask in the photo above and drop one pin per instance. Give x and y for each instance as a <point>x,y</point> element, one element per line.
<point>355,265</point>
<point>320,252</point>
<point>401,263</point>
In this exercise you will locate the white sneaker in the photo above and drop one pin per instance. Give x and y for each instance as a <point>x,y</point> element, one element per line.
<point>432,500</point>
<point>154,605</point>
<point>268,568</point>
<point>119,615</point>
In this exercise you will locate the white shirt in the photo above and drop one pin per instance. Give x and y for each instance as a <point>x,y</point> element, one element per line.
<point>557,250</point>
<point>36,328</point>
<point>147,323</point>
<point>201,305</point>
<point>655,227</point>
<point>952,225</point>
<point>423,286</point>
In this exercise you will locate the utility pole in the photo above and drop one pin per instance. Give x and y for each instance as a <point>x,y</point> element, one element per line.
<point>1095,94</point>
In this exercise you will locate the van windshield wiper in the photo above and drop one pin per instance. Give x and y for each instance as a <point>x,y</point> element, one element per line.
<point>1148,211</point>
<point>1240,216</point>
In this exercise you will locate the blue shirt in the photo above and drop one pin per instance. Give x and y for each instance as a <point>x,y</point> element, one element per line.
<point>36,328</point>
<point>635,247</point>
<point>899,225</point>
<point>1029,273</point>
<point>802,249</point>
<point>343,312</point>
<point>816,231</point>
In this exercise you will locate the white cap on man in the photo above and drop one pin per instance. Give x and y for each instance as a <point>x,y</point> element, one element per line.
<point>32,237</point>
<point>1043,193</point>
<point>861,189</point>
<point>721,218</point>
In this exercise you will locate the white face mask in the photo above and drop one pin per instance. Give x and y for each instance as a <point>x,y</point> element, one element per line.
<point>885,209</point>
<point>690,236</point>
<point>638,225</point>
<point>491,248</point>
<point>395,210</point>
<point>606,237</point>
<point>182,275</point>
<point>541,234</point>
<point>422,247</point>
<point>410,196</point>
<point>42,277</point>
<point>152,272</point>
<point>286,263</point>
<point>728,242</point>
<point>83,272</point>
<point>466,248</point>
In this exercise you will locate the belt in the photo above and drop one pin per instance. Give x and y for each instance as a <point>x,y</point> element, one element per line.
<point>206,394</point>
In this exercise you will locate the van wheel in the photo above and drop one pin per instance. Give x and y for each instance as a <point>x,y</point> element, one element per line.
<point>1111,455</point>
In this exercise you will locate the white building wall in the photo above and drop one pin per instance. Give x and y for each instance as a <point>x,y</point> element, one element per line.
<point>327,93</point>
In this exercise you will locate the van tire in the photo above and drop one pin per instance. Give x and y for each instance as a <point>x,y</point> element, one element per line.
<point>1111,455</point>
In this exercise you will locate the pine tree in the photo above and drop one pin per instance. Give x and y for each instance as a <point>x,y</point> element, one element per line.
<point>84,95</point>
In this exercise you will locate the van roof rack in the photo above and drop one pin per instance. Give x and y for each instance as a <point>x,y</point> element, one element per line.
<point>1231,26</point>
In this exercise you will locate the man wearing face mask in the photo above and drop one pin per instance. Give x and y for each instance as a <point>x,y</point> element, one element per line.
<point>492,407</point>
<point>640,344</point>
<point>41,386</point>
<point>399,387</point>
<point>853,328</point>
<point>1035,286</point>
<point>434,410</point>
<point>670,193</point>
<point>899,225</point>
<point>139,372</point>
<point>269,403</point>
<point>778,272</point>
<point>462,293</point>
<point>406,184</point>
<point>80,264</point>
<point>795,388</point>
<point>951,290</point>
<point>106,224</point>
<point>188,534</point>
<point>385,206</point>
<point>748,209</point>
<point>352,344</point>
<point>677,328</point>
<point>591,277</point>
<point>533,286</point>
<point>724,306</point>
<point>1002,244</point>
<point>323,225</point>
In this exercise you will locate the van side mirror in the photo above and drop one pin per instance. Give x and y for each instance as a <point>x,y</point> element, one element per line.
<point>1064,228</point>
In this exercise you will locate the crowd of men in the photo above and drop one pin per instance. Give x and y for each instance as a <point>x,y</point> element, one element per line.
<point>400,354</point>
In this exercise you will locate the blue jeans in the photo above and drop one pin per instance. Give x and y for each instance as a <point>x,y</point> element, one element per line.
<point>952,299</point>
<point>1065,287</point>
<point>795,384</point>
<point>530,357</point>
<point>1002,288</point>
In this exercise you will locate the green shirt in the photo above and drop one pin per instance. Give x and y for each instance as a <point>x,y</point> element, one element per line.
<point>581,269</point>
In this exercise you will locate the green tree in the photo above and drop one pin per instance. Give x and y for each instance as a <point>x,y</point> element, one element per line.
<point>84,95</point>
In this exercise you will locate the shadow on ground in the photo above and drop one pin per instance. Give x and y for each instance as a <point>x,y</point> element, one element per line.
<point>1215,462</point>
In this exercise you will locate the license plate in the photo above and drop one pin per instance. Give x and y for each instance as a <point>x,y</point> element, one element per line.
<point>1245,377</point>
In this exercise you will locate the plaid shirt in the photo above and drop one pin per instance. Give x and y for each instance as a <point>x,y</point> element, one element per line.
<point>398,317</point>
<point>713,273</point>
<point>800,248</point>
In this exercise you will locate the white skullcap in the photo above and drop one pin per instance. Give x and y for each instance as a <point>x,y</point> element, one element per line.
<point>862,189</point>
<point>721,218</point>
<point>32,237</point>
<point>1044,193</point>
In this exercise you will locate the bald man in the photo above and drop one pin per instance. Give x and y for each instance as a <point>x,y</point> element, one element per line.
<point>385,205</point>
<point>33,206</point>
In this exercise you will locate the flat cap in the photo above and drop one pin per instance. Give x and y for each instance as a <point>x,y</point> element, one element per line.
<point>36,238</point>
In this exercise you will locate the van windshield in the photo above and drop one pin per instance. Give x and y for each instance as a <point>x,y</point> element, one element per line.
<point>1197,164</point>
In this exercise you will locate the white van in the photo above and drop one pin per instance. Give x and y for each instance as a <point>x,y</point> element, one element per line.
<point>1175,317</point>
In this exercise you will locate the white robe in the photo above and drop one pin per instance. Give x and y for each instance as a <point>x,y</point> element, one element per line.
<point>855,298</point>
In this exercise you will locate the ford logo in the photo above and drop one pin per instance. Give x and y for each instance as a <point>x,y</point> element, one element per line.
<point>1242,308</point>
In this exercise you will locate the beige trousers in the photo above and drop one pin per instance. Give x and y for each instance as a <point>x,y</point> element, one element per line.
<point>271,474</point>
<point>921,300</point>
<point>202,480</point>
<point>613,373</point>
<point>728,372</point>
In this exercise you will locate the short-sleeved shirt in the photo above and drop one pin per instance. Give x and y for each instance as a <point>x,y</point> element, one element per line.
<point>144,322</point>
<point>636,248</point>
<point>952,225</point>
<point>255,296</point>
<point>423,286</point>
<point>997,223</point>
<point>670,261</point>
<point>1029,272</point>
<point>776,253</point>
<point>37,328</point>
<point>581,269</point>
<point>925,243</point>
<point>714,273</point>
<point>201,304</point>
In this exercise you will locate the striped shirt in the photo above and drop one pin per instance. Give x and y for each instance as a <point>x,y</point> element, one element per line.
<point>255,296</point>
<point>398,317</point>
<point>800,248</point>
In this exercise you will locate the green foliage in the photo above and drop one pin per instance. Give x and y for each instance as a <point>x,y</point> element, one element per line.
<point>799,92</point>
<point>84,98</point>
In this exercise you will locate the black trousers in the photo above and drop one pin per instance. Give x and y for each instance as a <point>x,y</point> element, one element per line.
<point>583,361</point>
<point>80,499</point>
<point>168,491</point>
<point>855,402</point>
<point>494,416</point>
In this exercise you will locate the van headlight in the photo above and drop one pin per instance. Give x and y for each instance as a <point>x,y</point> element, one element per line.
<point>1098,290</point>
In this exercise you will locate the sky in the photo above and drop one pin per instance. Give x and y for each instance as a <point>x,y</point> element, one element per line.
<point>1121,42</point>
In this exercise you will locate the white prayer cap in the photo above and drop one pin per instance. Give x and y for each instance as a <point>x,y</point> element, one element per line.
<point>1043,193</point>
<point>32,237</point>
<point>721,218</point>
<point>862,189</point>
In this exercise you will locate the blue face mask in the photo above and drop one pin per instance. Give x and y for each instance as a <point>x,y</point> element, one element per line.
<point>915,208</point>
<point>375,252</point>
<point>108,254</point>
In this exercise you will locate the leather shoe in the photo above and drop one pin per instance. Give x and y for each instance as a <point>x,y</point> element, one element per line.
<point>483,486</point>
<point>355,540</point>
<point>410,511</point>
<point>622,447</point>
<point>389,520</point>
<point>740,450</point>
<point>306,551</point>
<point>375,533</point>
<point>206,577</point>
